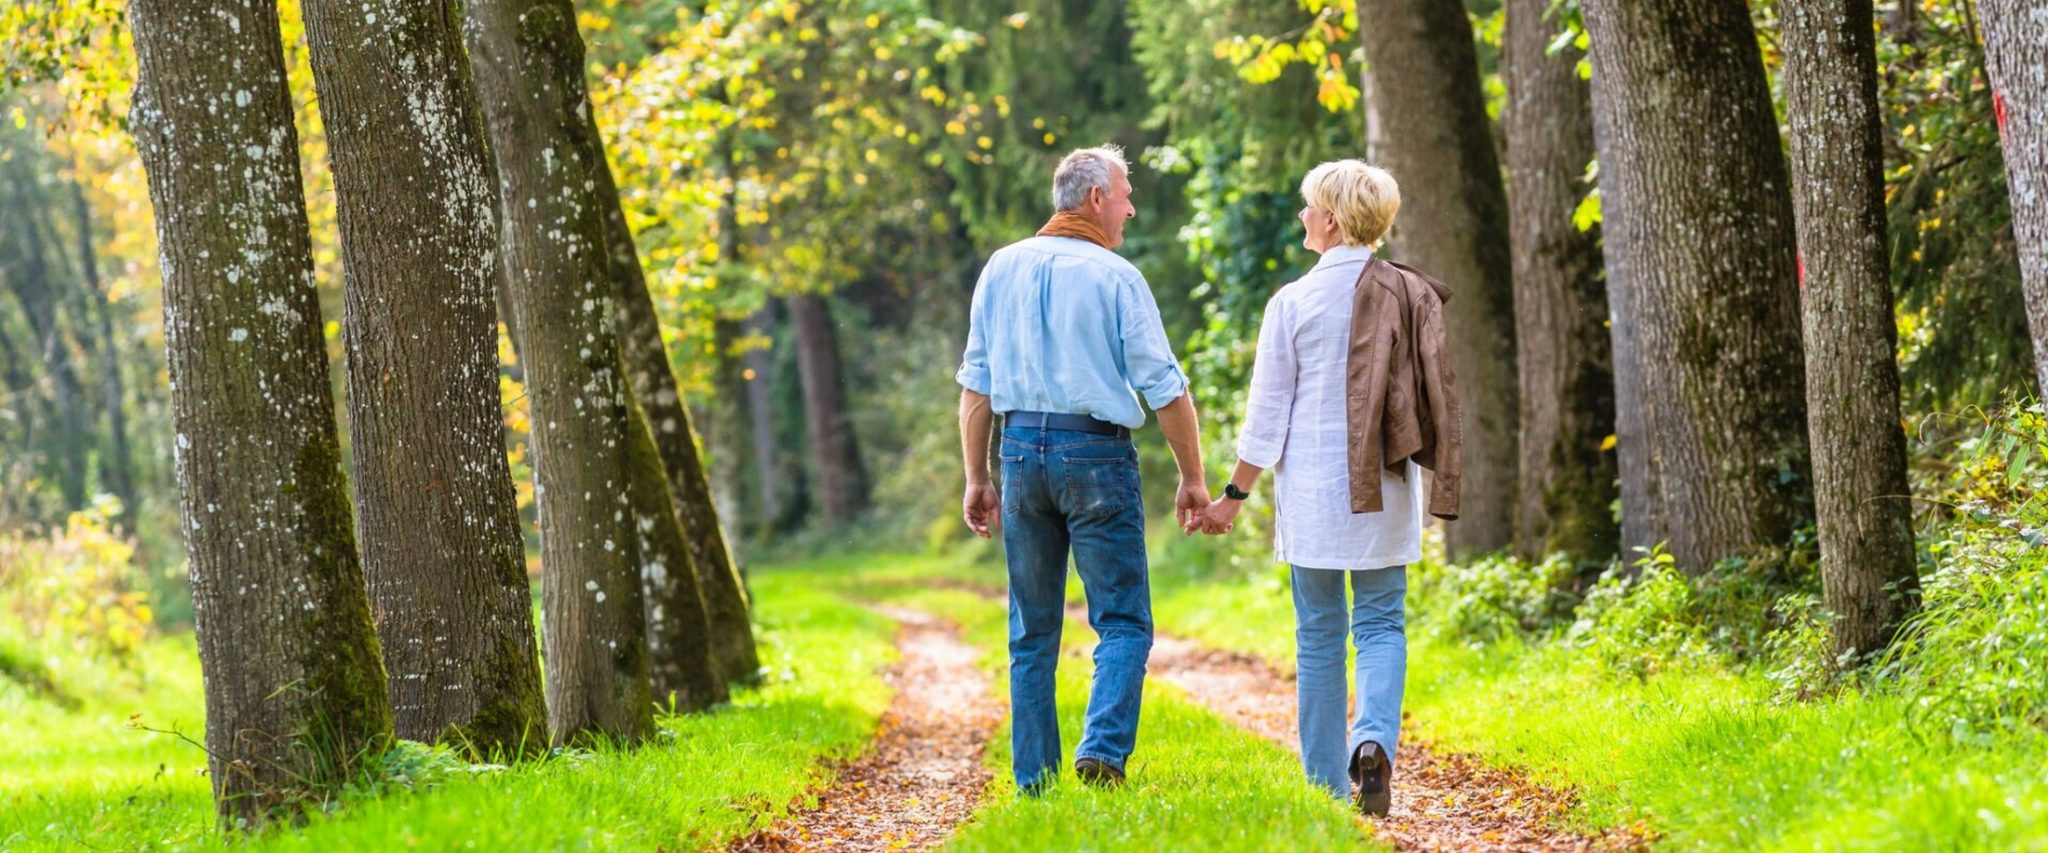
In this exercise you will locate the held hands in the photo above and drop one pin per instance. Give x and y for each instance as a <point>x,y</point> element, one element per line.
<point>1189,502</point>
<point>1219,518</point>
<point>980,505</point>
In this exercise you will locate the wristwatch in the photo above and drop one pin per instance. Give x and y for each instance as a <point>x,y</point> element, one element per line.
<point>1231,491</point>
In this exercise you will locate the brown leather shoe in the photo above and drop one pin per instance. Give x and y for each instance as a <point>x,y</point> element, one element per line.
<point>1098,773</point>
<point>1373,776</point>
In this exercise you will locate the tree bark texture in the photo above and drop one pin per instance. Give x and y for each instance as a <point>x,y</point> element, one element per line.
<point>680,663</point>
<point>529,69</point>
<point>1861,500</point>
<point>835,452</point>
<point>1565,359</point>
<point>2016,49</point>
<point>716,575</point>
<point>440,530</point>
<point>1453,225</point>
<point>295,694</point>
<point>1710,376</point>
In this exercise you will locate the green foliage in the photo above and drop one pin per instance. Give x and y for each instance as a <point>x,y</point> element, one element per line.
<point>1641,623</point>
<point>1955,263</point>
<point>76,591</point>
<point>1972,660</point>
<point>1491,599</point>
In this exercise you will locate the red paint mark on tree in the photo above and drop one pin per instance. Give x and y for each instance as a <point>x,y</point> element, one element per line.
<point>1800,260</point>
<point>1998,109</point>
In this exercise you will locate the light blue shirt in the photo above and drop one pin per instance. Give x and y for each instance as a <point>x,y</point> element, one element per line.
<point>1065,326</point>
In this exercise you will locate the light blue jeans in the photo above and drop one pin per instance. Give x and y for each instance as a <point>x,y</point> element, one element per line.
<point>1377,625</point>
<point>1074,493</point>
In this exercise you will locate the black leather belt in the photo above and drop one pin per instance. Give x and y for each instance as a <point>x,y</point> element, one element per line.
<point>1072,423</point>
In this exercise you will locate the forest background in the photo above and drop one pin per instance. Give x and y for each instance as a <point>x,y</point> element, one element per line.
<point>813,186</point>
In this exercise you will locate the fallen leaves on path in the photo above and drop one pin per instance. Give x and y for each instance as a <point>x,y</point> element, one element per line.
<point>925,774</point>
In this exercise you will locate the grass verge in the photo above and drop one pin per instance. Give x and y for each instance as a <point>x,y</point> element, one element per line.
<point>71,778</point>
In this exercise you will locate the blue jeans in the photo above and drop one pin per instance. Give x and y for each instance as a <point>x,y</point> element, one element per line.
<point>1377,625</point>
<point>1074,491</point>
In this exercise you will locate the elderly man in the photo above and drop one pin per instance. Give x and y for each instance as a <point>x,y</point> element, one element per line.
<point>1062,333</point>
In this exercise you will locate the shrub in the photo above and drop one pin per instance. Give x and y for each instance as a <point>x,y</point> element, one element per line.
<point>77,587</point>
<point>1974,657</point>
<point>1493,598</point>
<point>1642,622</point>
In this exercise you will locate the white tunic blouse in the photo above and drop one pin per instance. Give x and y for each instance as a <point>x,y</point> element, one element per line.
<point>1295,424</point>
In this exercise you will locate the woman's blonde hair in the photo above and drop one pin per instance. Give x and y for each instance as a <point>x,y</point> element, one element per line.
<point>1363,199</point>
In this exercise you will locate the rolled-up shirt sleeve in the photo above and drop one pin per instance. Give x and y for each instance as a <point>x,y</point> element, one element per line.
<point>1148,358</point>
<point>974,373</point>
<point>1270,401</point>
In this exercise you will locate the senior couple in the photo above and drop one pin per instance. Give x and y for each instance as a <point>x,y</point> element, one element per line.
<point>1349,392</point>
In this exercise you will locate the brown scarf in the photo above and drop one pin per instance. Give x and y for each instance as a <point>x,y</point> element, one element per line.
<point>1067,223</point>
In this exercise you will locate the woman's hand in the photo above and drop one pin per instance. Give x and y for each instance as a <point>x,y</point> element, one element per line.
<point>1221,516</point>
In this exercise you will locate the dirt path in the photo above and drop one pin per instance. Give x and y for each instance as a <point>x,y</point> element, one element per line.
<point>1440,802</point>
<point>924,775</point>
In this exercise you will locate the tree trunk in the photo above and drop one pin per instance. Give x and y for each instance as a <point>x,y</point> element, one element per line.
<point>1453,225</point>
<point>835,454</point>
<point>1698,238</point>
<point>716,577</point>
<point>440,530</point>
<point>2014,32</point>
<point>295,696</point>
<point>776,486</point>
<point>680,663</point>
<point>119,465</point>
<point>1564,356</point>
<point>529,69</point>
<point>1861,499</point>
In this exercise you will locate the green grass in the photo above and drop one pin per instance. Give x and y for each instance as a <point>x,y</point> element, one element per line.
<point>1703,755</point>
<point>1196,782</point>
<point>79,778</point>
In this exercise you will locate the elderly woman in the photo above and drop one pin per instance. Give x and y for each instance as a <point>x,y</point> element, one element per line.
<point>1295,424</point>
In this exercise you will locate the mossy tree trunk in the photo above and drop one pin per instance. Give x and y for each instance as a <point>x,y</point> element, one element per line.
<point>1453,225</point>
<point>1709,372</point>
<point>716,576</point>
<point>295,693</point>
<point>441,540</point>
<point>1564,356</point>
<point>1861,501</point>
<point>681,664</point>
<point>529,69</point>
<point>2014,34</point>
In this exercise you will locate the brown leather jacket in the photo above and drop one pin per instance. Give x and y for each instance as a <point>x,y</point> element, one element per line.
<point>1402,399</point>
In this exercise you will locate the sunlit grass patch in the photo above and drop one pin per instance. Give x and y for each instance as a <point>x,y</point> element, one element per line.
<point>73,778</point>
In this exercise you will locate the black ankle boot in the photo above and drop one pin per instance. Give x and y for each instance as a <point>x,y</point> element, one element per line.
<point>1372,776</point>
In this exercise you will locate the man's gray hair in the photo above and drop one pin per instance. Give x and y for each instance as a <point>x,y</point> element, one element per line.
<point>1083,170</point>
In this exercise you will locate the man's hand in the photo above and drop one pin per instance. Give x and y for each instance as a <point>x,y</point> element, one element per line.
<point>980,505</point>
<point>1188,504</point>
<point>1221,516</point>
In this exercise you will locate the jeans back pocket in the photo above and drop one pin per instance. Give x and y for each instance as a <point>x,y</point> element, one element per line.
<point>1097,484</point>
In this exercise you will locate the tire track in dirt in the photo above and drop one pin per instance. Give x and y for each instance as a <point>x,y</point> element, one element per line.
<point>1441,801</point>
<point>924,775</point>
